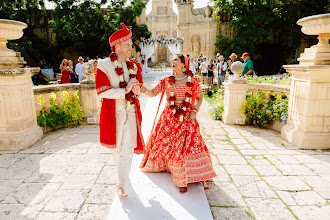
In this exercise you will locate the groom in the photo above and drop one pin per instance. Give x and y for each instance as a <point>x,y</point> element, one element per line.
<point>117,81</point>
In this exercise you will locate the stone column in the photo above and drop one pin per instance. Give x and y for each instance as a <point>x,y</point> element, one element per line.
<point>235,96</point>
<point>18,121</point>
<point>308,125</point>
<point>88,97</point>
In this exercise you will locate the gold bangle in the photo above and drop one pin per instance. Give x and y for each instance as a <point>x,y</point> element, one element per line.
<point>193,110</point>
<point>143,89</point>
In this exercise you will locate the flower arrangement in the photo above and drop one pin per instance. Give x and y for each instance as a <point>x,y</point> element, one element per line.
<point>263,113</point>
<point>216,108</point>
<point>70,112</point>
<point>120,72</point>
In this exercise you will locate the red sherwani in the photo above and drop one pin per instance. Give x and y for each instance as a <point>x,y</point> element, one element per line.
<point>107,79</point>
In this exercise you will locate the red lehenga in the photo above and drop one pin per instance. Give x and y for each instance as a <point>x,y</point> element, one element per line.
<point>178,147</point>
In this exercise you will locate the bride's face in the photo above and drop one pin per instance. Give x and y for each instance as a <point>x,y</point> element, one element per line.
<point>176,64</point>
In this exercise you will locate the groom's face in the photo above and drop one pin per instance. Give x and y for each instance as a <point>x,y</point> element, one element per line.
<point>124,49</point>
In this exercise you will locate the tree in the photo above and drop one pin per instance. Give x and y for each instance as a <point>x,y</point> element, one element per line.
<point>31,12</point>
<point>266,28</point>
<point>86,27</point>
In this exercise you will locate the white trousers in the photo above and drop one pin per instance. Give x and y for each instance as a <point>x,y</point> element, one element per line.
<point>126,139</point>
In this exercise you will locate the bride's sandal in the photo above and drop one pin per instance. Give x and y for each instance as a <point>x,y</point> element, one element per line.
<point>183,189</point>
<point>205,185</point>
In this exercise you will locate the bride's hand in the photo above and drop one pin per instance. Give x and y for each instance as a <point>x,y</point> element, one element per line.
<point>192,115</point>
<point>136,90</point>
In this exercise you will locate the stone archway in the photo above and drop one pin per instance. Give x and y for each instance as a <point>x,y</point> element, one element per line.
<point>162,51</point>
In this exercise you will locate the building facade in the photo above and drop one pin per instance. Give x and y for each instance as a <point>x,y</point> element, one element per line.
<point>197,27</point>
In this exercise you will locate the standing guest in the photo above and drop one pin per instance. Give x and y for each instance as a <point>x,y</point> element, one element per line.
<point>176,144</point>
<point>248,65</point>
<point>232,59</point>
<point>221,67</point>
<point>66,70</point>
<point>79,72</point>
<point>73,75</point>
<point>204,66</point>
<point>210,70</point>
<point>192,66</point>
<point>117,82</point>
<point>216,61</point>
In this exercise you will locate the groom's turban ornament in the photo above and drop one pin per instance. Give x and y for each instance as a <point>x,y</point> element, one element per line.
<point>120,36</point>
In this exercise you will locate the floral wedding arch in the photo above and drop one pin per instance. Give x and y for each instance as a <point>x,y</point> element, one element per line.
<point>148,47</point>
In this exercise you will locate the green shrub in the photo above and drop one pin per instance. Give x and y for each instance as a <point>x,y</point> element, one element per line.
<point>70,112</point>
<point>261,112</point>
<point>216,108</point>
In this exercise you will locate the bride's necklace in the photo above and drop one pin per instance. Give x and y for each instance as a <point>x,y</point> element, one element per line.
<point>180,111</point>
<point>180,77</point>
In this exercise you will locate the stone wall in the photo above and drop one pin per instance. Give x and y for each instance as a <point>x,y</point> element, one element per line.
<point>87,97</point>
<point>46,91</point>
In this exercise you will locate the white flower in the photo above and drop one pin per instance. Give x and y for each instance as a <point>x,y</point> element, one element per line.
<point>172,102</point>
<point>131,71</point>
<point>187,99</point>
<point>173,111</point>
<point>184,108</point>
<point>189,79</point>
<point>116,62</point>
<point>181,117</point>
<point>126,59</point>
<point>171,93</point>
<point>121,78</point>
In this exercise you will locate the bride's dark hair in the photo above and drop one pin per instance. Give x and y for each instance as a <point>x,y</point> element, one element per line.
<point>181,57</point>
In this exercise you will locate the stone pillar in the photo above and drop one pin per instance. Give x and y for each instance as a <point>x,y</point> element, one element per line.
<point>88,97</point>
<point>235,96</point>
<point>18,121</point>
<point>308,125</point>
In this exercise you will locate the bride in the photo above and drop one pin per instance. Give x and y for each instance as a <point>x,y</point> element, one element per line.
<point>176,145</point>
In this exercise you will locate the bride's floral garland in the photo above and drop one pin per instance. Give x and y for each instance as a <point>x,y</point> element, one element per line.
<point>179,112</point>
<point>123,84</point>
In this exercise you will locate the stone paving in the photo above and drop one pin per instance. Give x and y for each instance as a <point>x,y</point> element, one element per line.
<point>68,175</point>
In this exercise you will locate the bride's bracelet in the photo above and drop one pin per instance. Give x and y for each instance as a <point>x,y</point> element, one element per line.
<point>143,89</point>
<point>193,110</point>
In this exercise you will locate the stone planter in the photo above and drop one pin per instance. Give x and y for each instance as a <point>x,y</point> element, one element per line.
<point>18,121</point>
<point>309,106</point>
<point>10,30</point>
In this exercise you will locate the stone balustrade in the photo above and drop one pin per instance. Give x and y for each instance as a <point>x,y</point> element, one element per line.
<point>47,90</point>
<point>87,95</point>
<point>234,102</point>
<point>278,89</point>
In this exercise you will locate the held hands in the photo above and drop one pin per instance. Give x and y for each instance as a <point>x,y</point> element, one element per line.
<point>130,85</point>
<point>136,90</point>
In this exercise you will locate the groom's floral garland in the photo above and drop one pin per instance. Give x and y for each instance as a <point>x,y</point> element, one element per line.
<point>179,112</point>
<point>123,84</point>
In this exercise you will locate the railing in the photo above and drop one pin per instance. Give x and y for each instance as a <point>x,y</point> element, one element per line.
<point>47,90</point>
<point>278,89</point>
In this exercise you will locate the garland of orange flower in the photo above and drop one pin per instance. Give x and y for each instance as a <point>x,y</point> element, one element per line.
<point>120,72</point>
<point>179,112</point>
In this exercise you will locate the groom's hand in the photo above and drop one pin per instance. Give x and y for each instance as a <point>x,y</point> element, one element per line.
<point>136,90</point>
<point>132,82</point>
